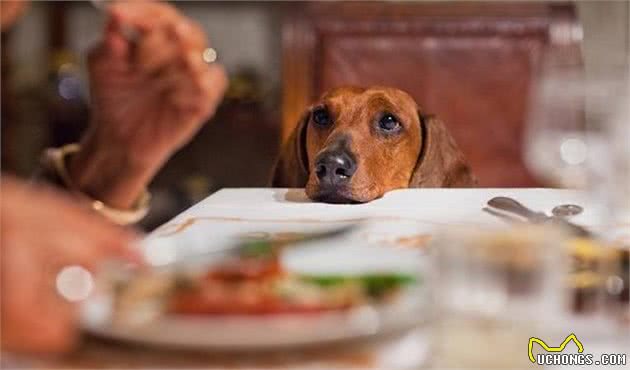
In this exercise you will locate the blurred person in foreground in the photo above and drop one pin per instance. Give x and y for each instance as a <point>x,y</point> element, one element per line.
<point>150,94</point>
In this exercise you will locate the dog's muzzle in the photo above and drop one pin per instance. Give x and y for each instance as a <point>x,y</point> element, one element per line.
<point>334,168</point>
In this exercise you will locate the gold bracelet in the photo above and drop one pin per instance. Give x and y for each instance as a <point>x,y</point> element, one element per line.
<point>56,158</point>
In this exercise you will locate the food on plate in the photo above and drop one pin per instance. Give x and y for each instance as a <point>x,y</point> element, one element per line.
<point>257,283</point>
<point>254,280</point>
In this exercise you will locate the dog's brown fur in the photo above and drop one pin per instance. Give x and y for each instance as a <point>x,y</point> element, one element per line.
<point>423,154</point>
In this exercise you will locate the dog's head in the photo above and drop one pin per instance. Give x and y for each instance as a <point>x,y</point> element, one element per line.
<point>356,144</point>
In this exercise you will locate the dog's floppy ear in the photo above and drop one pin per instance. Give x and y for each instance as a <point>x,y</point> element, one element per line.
<point>291,167</point>
<point>440,163</point>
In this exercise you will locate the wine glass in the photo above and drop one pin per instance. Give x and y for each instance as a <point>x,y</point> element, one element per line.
<point>569,122</point>
<point>578,134</point>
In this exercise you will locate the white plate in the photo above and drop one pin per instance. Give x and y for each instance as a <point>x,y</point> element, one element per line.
<point>361,251</point>
<point>260,332</point>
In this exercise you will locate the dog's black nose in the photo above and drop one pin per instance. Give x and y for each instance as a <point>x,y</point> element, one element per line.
<point>335,168</point>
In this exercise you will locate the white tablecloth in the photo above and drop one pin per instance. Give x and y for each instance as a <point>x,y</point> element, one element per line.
<point>399,215</point>
<point>230,211</point>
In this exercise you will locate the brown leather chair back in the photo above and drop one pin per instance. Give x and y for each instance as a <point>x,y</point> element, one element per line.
<point>470,64</point>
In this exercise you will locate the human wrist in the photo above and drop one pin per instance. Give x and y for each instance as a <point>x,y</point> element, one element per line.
<point>107,171</point>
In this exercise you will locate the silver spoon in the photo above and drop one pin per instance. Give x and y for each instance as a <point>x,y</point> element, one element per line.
<point>513,206</point>
<point>567,210</point>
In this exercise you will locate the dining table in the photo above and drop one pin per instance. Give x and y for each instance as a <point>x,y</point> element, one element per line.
<point>406,218</point>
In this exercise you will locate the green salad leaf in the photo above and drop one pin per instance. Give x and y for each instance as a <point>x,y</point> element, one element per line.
<point>375,285</point>
<point>257,249</point>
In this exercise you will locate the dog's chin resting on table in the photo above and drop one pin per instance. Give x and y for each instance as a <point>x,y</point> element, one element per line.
<point>355,144</point>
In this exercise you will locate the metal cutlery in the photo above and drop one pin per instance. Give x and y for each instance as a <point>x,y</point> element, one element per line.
<point>130,33</point>
<point>567,210</point>
<point>514,207</point>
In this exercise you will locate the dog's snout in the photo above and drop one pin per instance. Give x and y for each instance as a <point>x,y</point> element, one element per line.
<point>335,167</point>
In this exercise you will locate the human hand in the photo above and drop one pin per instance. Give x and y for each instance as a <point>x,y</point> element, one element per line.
<point>10,12</point>
<point>149,97</point>
<point>42,232</point>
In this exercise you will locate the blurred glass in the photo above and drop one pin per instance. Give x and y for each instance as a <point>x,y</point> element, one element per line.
<point>494,289</point>
<point>578,136</point>
<point>615,185</point>
<point>570,119</point>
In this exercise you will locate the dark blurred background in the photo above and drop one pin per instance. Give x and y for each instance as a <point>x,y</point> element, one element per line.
<point>470,63</point>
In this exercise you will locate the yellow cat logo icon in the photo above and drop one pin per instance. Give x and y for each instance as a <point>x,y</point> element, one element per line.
<point>560,348</point>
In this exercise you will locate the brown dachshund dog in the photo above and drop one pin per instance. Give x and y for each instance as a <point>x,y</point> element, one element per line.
<point>356,144</point>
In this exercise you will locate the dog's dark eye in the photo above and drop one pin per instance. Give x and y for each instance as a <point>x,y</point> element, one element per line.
<point>321,117</point>
<point>389,123</point>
